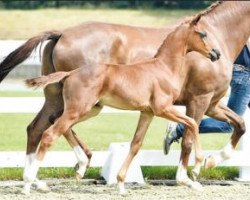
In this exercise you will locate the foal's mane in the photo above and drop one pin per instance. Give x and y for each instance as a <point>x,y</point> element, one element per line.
<point>195,19</point>
<point>210,9</point>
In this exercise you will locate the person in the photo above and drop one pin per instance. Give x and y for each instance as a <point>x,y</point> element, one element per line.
<point>238,101</point>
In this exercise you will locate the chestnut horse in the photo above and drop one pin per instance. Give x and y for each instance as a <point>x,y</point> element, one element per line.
<point>205,83</point>
<point>151,87</point>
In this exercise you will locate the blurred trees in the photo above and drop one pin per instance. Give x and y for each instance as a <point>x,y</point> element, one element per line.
<point>25,4</point>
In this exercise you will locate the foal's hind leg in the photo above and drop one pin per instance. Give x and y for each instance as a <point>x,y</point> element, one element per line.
<point>83,154</point>
<point>48,138</point>
<point>73,112</point>
<point>81,150</point>
<point>223,113</point>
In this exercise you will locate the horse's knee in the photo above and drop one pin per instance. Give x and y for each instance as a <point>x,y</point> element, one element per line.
<point>192,125</point>
<point>187,144</point>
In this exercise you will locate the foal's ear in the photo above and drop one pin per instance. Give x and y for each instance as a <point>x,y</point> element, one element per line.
<point>195,20</point>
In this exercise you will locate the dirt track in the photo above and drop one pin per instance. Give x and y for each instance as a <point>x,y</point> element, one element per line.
<point>70,189</point>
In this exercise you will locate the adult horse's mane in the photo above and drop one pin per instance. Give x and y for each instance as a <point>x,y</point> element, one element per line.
<point>210,8</point>
<point>218,9</point>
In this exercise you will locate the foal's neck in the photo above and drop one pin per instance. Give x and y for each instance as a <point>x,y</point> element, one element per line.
<point>173,50</point>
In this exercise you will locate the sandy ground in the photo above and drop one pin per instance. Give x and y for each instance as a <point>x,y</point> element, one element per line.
<point>70,189</point>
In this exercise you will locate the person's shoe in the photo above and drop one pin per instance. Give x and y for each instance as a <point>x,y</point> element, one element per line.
<point>171,136</point>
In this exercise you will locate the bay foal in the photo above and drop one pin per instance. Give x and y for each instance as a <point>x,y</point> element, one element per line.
<point>150,87</point>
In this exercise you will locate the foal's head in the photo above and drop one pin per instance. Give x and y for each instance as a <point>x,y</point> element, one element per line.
<point>196,40</point>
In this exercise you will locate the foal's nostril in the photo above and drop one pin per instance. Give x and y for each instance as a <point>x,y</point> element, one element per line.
<point>213,56</point>
<point>217,52</point>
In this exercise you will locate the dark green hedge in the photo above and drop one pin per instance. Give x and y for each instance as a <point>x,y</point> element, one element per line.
<point>9,4</point>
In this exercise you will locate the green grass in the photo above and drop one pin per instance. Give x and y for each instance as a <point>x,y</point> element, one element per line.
<point>98,132</point>
<point>23,24</point>
<point>21,93</point>
<point>149,173</point>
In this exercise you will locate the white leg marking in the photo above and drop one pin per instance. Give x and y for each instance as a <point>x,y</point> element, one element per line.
<point>82,160</point>
<point>183,179</point>
<point>227,151</point>
<point>30,174</point>
<point>225,154</point>
<point>181,175</point>
<point>28,160</point>
<point>121,188</point>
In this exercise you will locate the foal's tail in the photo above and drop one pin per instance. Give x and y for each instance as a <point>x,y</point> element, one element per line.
<point>24,51</point>
<point>43,81</point>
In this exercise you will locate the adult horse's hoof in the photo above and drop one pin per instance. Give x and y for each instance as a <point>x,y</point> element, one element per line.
<point>209,162</point>
<point>42,187</point>
<point>25,192</point>
<point>26,188</point>
<point>196,186</point>
<point>78,176</point>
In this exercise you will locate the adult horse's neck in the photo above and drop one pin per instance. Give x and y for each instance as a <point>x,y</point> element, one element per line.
<point>173,49</point>
<point>229,23</point>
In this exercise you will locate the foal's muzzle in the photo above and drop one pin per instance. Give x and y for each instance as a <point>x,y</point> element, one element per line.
<point>214,55</point>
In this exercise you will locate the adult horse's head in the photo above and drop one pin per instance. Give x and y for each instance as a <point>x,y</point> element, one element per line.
<point>197,40</point>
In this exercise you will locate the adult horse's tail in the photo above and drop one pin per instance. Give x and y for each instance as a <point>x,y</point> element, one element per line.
<point>24,51</point>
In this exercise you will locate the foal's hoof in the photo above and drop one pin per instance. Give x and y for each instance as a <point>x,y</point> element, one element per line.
<point>121,188</point>
<point>196,186</point>
<point>209,162</point>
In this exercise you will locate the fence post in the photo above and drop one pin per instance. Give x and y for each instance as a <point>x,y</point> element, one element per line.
<point>245,147</point>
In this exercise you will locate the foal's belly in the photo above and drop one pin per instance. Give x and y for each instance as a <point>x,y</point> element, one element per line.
<point>124,103</point>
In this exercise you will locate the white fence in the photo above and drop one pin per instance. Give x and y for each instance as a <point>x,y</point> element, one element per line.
<point>146,157</point>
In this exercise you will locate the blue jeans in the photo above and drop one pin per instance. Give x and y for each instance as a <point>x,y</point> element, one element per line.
<point>238,101</point>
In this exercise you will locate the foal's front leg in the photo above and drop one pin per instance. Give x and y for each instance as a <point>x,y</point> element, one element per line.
<point>142,127</point>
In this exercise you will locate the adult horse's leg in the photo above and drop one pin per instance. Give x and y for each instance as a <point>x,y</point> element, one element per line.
<point>191,135</point>
<point>34,133</point>
<point>223,113</point>
<point>195,109</point>
<point>53,104</point>
<point>143,124</point>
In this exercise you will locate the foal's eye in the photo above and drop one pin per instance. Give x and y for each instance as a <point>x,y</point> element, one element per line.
<point>203,34</point>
